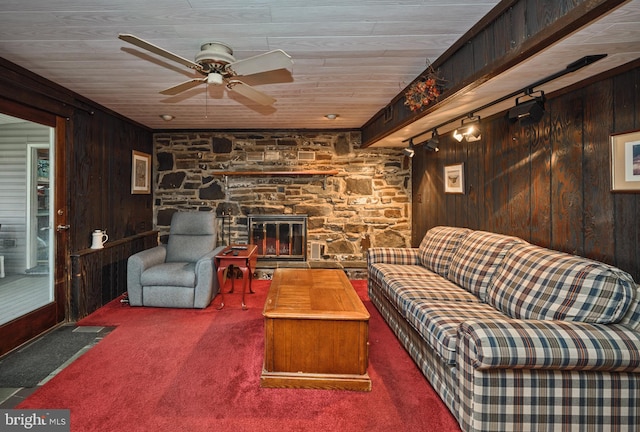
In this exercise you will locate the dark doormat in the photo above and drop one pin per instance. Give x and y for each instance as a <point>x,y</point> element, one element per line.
<point>29,365</point>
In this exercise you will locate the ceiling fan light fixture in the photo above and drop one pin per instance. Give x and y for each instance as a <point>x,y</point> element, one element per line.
<point>216,62</point>
<point>214,78</point>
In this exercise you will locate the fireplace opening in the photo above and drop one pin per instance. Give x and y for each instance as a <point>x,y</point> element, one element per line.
<point>279,237</point>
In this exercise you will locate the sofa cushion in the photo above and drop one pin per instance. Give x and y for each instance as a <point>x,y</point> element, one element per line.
<point>401,290</point>
<point>537,283</point>
<point>438,322</point>
<point>378,272</point>
<point>474,263</point>
<point>438,247</point>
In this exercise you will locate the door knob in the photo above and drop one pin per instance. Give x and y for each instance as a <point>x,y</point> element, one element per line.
<point>62,227</point>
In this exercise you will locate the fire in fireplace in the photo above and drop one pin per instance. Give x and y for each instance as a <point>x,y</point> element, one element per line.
<point>279,237</point>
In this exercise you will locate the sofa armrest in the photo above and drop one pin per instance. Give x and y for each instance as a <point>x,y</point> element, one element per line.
<point>136,265</point>
<point>387,255</point>
<point>206,279</point>
<point>558,345</point>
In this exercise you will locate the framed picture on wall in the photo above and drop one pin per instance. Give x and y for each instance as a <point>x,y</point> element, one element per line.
<point>140,173</point>
<point>454,178</point>
<point>625,162</point>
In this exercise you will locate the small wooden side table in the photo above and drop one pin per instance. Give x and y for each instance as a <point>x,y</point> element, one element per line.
<point>242,257</point>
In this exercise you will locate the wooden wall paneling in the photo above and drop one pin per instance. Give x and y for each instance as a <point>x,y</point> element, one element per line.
<point>498,182</point>
<point>119,160</point>
<point>434,208</point>
<point>540,145</point>
<point>501,31</point>
<point>487,186</point>
<point>538,14</point>
<point>432,211</point>
<point>461,65</point>
<point>598,201</point>
<point>84,196</point>
<point>86,284</point>
<point>474,180</point>
<point>440,198</point>
<point>626,232</point>
<point>100,275</point>
<point>419,194</point>
<point>566,178</point>
<point>518,24</point>
<point>517,138</point>
<point>482,49</point>
<point>451,157</point>
<point>461,201</point>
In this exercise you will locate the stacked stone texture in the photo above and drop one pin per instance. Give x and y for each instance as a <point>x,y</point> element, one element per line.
<point>367,203</point>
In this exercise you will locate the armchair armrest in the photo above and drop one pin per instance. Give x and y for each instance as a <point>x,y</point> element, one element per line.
<point>387,255</point>
<point>559,345</point>
<point>136,265</point>
<point>206,278</point>
<point>149,257</point>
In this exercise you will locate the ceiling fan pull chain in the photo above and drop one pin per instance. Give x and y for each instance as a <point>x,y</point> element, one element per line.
<point>206,100</point>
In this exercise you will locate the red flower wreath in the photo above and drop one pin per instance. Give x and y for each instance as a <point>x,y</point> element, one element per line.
<point>422,92</point>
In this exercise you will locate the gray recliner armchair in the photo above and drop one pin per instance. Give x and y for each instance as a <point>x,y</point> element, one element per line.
<point>181,273</point>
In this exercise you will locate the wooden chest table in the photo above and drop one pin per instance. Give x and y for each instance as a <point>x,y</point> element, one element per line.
<point>316,332</point>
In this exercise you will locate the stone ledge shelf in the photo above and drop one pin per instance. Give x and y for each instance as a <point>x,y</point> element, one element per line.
<point>273,173</point>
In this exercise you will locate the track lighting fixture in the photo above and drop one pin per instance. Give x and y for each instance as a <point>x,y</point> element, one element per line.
<point>409,151</point>
<point>528,111</point>
<point>433,142</point>
<point>469,130</point>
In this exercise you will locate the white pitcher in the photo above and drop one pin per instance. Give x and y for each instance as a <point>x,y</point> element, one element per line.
<point>99,238</point>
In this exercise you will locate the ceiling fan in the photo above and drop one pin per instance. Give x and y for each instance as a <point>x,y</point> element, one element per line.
<point>216,63</point>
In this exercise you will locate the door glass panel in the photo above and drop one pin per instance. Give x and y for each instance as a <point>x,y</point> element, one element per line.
<point>26,196</point>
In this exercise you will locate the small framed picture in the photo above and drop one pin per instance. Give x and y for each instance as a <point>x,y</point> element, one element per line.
<point>454,179</point>
<point>140,173</point>
<point>625,162</point>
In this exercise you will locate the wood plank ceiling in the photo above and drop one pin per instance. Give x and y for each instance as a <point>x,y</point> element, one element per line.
<point>350,57</point>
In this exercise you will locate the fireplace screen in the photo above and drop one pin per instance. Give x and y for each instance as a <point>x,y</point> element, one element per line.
<point>281,237</point>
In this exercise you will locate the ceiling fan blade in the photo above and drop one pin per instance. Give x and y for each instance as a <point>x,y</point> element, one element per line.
<point>268,61</point>
<point>250,93</point>
<point>134,40</point>
<point>172,91</point>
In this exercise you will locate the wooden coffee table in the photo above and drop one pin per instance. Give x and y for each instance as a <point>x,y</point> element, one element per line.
<point>316,332</point>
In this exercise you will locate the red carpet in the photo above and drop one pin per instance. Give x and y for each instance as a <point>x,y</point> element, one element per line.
<point>199,370</point>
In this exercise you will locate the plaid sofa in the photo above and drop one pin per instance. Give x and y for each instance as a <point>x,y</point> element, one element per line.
<point>513,336</point>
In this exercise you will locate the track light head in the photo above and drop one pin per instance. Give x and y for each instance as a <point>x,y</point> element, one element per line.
<point>469,130</point>
<point>529,111</point>
<point>433,142</point>
<point>409,151</point>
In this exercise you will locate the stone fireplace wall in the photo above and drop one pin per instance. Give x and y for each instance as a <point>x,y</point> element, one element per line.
<point>367,203</point>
